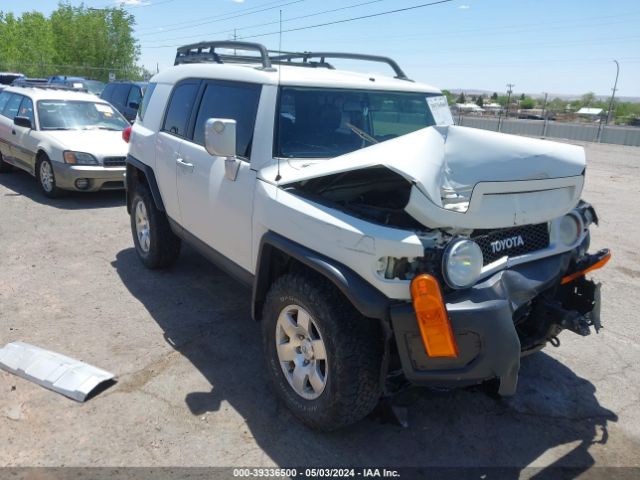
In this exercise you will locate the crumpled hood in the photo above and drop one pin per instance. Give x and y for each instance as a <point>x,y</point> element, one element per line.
<point>471,178</point>
<point>100,143</point>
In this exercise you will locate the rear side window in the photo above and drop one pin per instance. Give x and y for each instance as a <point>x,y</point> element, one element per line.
<point>107,93</point>
<point>146,98</point>
<point>180,106</point>
<point>120,95</point>
<point>4,98</point>
<point>13,105</point>
<point>237,101</point>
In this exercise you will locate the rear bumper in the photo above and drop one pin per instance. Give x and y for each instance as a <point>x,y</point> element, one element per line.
<point>99,178</point>
<point>513,311</point>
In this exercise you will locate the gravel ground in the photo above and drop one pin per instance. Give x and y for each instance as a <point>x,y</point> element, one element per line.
<point>192,388</point>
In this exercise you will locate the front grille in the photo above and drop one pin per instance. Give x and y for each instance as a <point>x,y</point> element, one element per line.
<point>113,161</point>
<point>511,242</point>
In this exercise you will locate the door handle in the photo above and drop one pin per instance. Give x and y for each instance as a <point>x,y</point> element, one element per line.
<point>182,163</point>
<point>13,132</point>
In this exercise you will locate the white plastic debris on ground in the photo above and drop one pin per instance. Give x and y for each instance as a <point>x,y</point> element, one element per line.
<point>72,378</point>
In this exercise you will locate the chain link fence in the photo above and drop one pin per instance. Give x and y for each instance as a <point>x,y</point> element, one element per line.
<point>552,129</point>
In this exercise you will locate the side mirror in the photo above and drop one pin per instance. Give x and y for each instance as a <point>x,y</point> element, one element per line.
<point>134,105</point>
<point>22,122</point>
<point>220,137</point>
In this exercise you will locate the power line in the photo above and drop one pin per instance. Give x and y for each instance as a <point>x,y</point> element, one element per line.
<point>346,20</point>
<point>187,22</point>
<point>223,19</point>
<point>273,23</point>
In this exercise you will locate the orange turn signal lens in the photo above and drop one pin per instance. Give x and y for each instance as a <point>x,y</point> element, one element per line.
<point>433,320</point>
<point>599,264</point>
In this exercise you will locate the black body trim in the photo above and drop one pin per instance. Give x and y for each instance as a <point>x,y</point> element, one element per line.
<point>211,254</point>
<point>151,180</point>
<point>368,300</point>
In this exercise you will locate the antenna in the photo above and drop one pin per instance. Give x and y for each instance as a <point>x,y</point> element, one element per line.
<point>278,177</point>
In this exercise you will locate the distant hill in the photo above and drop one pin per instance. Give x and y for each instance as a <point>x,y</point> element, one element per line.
<point>565,96</point>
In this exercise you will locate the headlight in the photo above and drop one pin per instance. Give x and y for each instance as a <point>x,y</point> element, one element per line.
<point>462,263</point>
<point>79,158</point>
<point>569,229</point>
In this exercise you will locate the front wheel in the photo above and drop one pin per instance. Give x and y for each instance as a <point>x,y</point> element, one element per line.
<point>46,178</point>
<point>323,358</point>
<point>156,244</point>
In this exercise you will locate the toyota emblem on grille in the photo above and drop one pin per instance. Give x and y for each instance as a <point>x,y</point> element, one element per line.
<point>507,243</point>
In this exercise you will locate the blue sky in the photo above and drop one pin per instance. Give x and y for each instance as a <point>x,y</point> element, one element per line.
<point>557,46</point>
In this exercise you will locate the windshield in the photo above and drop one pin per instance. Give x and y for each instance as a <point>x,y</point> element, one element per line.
<point>323,123</point>
<point>79,115</point>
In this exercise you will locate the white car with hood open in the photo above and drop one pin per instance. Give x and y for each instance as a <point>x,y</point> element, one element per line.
<point>380,240</point>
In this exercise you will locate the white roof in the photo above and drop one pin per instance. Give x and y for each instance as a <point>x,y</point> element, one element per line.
<point>290,75</point>
<point>469,106</point>
<point>36,93</point>
<point>589,111</point>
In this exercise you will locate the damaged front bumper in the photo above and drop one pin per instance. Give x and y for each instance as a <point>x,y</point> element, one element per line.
<point>511,313</point>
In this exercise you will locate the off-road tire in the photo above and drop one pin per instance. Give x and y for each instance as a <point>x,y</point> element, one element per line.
<point>54,192</point>
<point>4,166</point>
<point>354,347</point>
<point>164,245</point>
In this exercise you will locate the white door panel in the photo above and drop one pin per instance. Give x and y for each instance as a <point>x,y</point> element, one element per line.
<point>214,208</point>
<point>167,152</point>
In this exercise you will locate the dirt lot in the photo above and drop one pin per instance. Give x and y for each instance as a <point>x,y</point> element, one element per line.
<point>192,388</point>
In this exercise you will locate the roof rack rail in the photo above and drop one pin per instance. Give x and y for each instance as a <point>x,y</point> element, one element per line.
<point>305,56</point>
<point>49,86</point>
<point>204,52</point>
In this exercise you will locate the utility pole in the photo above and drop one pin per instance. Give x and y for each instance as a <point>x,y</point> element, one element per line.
<point>509,91</point>
<point>613,91</point>
<point>544,105</point>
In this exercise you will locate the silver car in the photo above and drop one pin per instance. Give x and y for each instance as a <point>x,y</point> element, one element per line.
<point>68,140</point>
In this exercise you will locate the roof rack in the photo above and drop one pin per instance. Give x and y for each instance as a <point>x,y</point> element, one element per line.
<point>305,56</point>
<point>204,52</point>
<point>49,86</point>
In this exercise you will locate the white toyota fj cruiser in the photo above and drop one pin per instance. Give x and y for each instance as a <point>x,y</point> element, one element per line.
<point>380,240</point>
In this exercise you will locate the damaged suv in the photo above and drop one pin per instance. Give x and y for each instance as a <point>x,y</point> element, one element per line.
<point>380,240</point>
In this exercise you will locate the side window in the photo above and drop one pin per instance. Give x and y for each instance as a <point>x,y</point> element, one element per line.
<point>107,93</point>
<point>180,106</point>
<point>4,98</point>
<point>146,98</point>
<point>12,106</point>
<point>135,96</point>
<point>26,109</point>
<point>120,95</point>
<point>237,101</point>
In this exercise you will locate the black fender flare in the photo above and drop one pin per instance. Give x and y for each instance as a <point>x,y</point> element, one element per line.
<point>134,163</point>
<point>367,299</point>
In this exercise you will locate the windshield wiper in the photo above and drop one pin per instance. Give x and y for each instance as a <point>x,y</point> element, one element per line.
<point>361,133</point>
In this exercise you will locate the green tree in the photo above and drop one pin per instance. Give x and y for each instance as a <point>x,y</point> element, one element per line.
<point>522,97</point>
<point>494,97</point>
<point>71,41</point>
<point>588,99</point>
<point>461,98</point>
<point>480,101</point>
<point>451,98</point>
<point>527,103</point>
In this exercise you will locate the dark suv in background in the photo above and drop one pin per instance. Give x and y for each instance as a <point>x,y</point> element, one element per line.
<point>125,96</point>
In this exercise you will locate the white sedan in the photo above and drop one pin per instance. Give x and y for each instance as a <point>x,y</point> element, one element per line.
<point>68,140</point>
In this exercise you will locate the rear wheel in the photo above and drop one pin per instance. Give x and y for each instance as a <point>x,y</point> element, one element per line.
<point>46,178</point>
<point>4,166</point>
<point>323,358</point>
<point>156,244</point>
